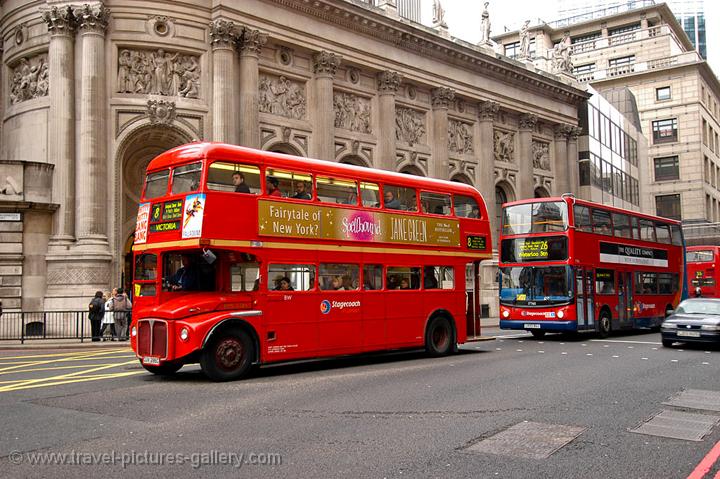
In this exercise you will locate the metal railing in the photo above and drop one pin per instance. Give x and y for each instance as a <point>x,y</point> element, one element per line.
<point>24,326</point>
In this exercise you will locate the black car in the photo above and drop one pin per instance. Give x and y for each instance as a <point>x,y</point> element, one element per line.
<point>694,320</point>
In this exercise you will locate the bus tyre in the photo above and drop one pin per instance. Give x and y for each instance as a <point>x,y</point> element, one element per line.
<point>439,339</point>
<point>667,343</point>
<point>537,334</point>
<point>228,356</point>
<point>166,369</point>
<point>604,325</point>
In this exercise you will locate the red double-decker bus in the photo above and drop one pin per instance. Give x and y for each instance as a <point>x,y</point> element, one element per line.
<point>247,257</point>
<point>570,265</point>
<point>701,264</point>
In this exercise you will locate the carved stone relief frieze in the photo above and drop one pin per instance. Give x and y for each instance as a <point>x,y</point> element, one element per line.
<point>283,97</point>
<point>352,112</point>
<point>541,155</point>
<point>158,73</point>
<point>161,112</point>
<point>504,146</point>
<point>460,137</point>
<point>409,125</point>
<point>29,79</point>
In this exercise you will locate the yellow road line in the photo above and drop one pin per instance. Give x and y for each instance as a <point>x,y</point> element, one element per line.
<point>66,354</point>
<point>32,383</point>
<point>54,368</point>
<point>69,381</point>
<point>48,361</point>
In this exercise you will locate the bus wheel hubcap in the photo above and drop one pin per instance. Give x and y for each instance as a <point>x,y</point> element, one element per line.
<point>229,353</point>
<point>440,337</point>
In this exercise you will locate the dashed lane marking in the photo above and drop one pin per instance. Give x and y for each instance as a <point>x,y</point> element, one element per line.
<point>623,341</point>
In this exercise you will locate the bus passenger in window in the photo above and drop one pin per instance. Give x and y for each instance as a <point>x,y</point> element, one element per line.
<point>475,213</point>
<point>337,283</point>
<point>272,186</point>
<point>430,281</point>
<point>301,192</point>
<point>238,180</point>
<point>185,278</point>
<point>347,283</point>
<point>284,284</point>
<point>391,202</point>
<point>404,284</point>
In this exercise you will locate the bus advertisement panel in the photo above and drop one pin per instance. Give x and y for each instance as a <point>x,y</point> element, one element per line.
<point>568,265</point>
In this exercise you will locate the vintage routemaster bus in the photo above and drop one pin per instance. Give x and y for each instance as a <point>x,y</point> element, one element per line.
<point>701,264</point>
<point>569,265</point>
<point>247,257</point>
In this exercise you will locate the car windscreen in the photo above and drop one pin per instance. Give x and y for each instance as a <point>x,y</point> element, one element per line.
<point>698,306</point>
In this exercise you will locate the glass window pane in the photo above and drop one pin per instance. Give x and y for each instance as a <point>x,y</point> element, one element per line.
<point>244,272</point>
<point>372,277</point>
<point>662,230</point>
<point>291,277</point>
<point>582,218</point>
<point>605,281</point>
<point>370,194</point>
<point>186,178</point>
<point>435,203</point>
<point>646,283</point>
<point>234,177</point>
<point>145,267</point>
<point>466,207</point>
<point>601,222</point>
<point>647,230</point>
<point>401,277</point>
<point>438,277</point>
<point>339,277</point>
<point>399,198</point>
<point>288,184</point>
<point>156,184</point>
<point>338,191</point>
<point>621,225</point>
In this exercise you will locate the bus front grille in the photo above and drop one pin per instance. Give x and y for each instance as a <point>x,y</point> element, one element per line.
<point>152,338</point>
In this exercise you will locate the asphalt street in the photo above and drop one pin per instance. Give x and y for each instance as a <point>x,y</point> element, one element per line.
<point>400,414</point>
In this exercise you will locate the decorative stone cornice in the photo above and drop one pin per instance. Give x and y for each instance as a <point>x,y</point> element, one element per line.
<point>442,97</point>
<point>224,34</point>
<point>252,42</point>
<point>575,131</point>
<point>528,121</point>
<point>92,18</point>
<point>326,63</point>
<point>487,110</point>
<point>60,21</point>
<point>389,81</point>
<point>562,131</point>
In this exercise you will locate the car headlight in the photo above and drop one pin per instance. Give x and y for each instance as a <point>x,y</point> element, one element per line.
<point>133,331</point>
<point>506,313</point>
<point>184,334</point>
<point>561,314</point>
<point>710,327</point>
<point>668,326</point>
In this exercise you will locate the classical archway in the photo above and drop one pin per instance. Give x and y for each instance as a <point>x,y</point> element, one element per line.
<point>353,160</point>
<point>134,155</point>
<point>462,178</point>
<point>412,170</point>
<point>503,194</point>
<point>541,192</point>
<point>285,148</point>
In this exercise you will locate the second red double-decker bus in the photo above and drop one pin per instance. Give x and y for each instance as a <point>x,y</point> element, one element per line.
<point>701,264</point>
<point>246,257</point>
<point>570,265</point>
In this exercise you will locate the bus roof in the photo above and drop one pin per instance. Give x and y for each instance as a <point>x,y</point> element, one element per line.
<point>702,247</point>
<point>198,150</point>
<point>582,202</point>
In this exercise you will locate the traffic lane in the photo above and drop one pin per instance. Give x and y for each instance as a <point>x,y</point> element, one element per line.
<point>414,415</point>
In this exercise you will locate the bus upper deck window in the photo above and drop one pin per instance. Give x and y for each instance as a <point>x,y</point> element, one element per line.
<point>370,194</point>
<point>186,178</point>
<point>466,207</point>
<point>334,190</point>
<point>435,203</point>
<point>234,177</point>
<point>156,184</point>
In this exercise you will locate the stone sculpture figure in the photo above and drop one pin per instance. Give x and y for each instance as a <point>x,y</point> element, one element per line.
<point>561,56</point>
<point>158,73</point>
<point>30,79</point>
<point>504,146</point>
<point>438,14</point>
<point>485,25</point>
<point>524,48</point>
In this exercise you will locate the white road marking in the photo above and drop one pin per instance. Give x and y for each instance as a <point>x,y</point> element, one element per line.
<point>621,341</point>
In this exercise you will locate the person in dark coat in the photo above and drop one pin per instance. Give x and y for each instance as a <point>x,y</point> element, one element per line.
<point>97,311</point>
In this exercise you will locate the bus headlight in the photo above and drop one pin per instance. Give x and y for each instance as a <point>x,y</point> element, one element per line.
<point>184,334</point>
<point>133,331</point>
<point>561,314</point>
<point>506,313</point>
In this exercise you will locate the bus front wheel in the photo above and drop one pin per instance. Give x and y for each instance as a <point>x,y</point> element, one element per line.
<point>439,337</point>
<point>537,333</point>
<point>228,356</point>
<point>166,369</point>
<point>604,325</point>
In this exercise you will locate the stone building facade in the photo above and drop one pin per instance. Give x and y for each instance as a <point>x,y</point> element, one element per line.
<point>92,92</point>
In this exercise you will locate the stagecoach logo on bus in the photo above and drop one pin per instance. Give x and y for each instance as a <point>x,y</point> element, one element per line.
<point>193,212</point>
<point>319,222</point>
<point>326,306</point>
<point>628,254</point>
<point>546,314</point>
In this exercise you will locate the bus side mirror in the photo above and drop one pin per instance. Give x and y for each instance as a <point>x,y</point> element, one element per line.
<point>209,256</point>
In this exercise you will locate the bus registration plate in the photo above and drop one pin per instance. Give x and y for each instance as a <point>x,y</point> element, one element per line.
<point>531,326</point>
<point>151,360</point>
<point>689,334</point>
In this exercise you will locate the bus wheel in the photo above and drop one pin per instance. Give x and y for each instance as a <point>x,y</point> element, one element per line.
<point>166,369</point>
<point>228,356</point>
<point>439,337</point>
<point>667,343</point>
<point>604,330</point>
<point>537,334</point>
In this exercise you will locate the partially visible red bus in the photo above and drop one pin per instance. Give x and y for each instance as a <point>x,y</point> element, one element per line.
<point>702,262</point>
<point>249,257</point>
<point>572,265</point>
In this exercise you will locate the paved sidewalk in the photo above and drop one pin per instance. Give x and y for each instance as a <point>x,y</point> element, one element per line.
<point>42,344</point>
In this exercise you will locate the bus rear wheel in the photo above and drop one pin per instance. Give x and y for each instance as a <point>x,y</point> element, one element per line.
<point>228,356</point>
<point>604,325</point>
<point>166,369</point>
<point>439,337</point>
<point>537,334</point>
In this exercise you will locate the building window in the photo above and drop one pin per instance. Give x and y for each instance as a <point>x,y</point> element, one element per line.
<point>664,131</point>
<point>624,29</point>
<point>667,168</point>
<point>618,62</point>
<point>662,94</point>
<point>668,206</point>
<point>512,49</point>
<point>581,69</point>
<point>585,38</point>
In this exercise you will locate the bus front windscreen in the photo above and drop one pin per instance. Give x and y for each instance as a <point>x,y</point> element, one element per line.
<point>700,256</point>
<point>536,285</point>
<point>541,217</point>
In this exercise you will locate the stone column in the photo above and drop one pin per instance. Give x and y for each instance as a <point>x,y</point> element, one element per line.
<point>485,173</point>
<point>325,66</point>
<point>572,154</point>
<point>440,99</point>
<point>526,180</point>
<point>223,38</point>
<point>562,165</point>
<point>91,217</point>
<point>250,47</point>
<point>388,84</point>
<point>61,123</point>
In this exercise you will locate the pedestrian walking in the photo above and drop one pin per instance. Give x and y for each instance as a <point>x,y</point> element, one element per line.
<point>121,307</point>
<point>108,319</point>
<point>97,311</point>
